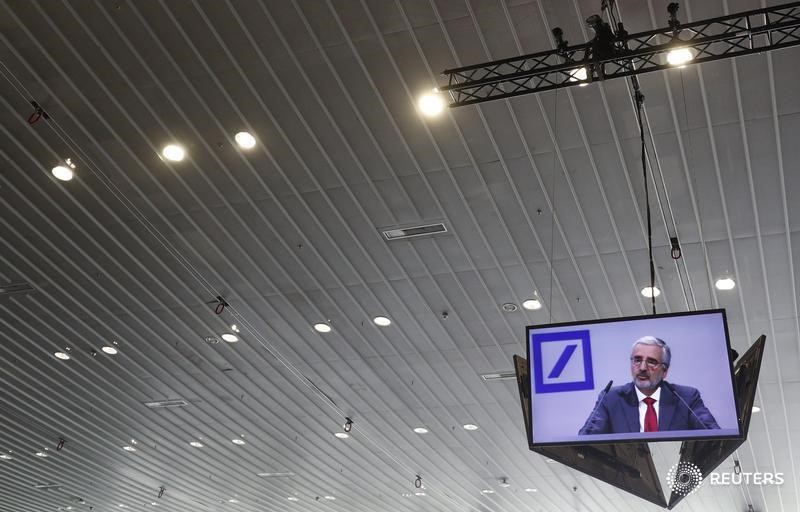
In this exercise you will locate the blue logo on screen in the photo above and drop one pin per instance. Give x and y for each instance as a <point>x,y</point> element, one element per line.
<point>562,361</point>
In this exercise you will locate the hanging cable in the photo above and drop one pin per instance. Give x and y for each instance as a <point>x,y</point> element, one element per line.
<point>639,102</point>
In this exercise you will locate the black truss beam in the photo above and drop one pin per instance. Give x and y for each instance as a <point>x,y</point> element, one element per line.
<point>744,33</point>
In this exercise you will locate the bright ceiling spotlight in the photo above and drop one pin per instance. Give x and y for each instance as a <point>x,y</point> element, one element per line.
<point>419,493</point>
<point>421,430</point>
<point>245,140</point>
<point>578,75</point>
<point>173,152</point>
<point>63,173</point>
<point>230,338</point>
<point>756,408</point>
<point>196,444</point>
<point>431,104</point>
<point>108,349</point>
<point>237,441</point>
<point>650,292</point>
<point>293,498</point>
<point>5,456</point>
<point>531,489</point>
<point>342,435</point>
<point>487,491</point>
<point>381,321</point>
<point>41,454</point>
<point>330,497</point>
<point>532,304</point>
<point>129,448</point>
<point>679,57</point>
<point>322,327</point>
<point>62,355</point>
<point>725,283</point>
<point>470,426</point>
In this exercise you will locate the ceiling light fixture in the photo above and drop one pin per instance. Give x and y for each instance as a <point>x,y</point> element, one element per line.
<point>41,454</point>
<point>293,498</point>
<point>431,104</point>
<point>421,430</point>
<point>238,441</point>
<point>62,355</point>
<point>756,408</point>
<point>108,349</point>
<point>230,338</point>
<point>419,493</point>
<point>245,140</point>
<point>196,444</point>
<point>173,152</point>
<point>129,448</point>
<point>322,327</point>
<point>62,173</point>
<point>532,304</point>
<point>577,75</point>
<point>382,321</point>
<point>5,456</point>
<point>509,307</point>
<point>679,57</point>
<point>330,497</point>
<point>531,489</point>
<point>487,491</point>
<point>725,283</point>
<point>650,292</point>
<point>470,426</point>
<point>234,328</point>
<point>342,435</point>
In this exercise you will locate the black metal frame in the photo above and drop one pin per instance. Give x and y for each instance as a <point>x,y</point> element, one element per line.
<point>724,37</point>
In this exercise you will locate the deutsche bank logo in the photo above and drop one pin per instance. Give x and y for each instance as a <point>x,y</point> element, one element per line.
<point>562,361</point>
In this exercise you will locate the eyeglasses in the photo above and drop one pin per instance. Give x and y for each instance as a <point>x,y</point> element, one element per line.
<point>651,364</point>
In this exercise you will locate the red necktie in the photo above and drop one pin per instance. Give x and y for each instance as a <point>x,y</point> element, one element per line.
<point>650,419</point>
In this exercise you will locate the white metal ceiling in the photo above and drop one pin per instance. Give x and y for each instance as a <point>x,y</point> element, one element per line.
<point>539,193</point>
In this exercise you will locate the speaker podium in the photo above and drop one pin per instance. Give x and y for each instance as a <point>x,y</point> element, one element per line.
<point>629,466</point>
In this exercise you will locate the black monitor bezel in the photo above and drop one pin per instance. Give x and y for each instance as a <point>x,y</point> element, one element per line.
<point>532,444</point>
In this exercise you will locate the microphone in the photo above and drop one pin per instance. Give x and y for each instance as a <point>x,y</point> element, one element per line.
<point>597,405</point>
<point>675,392</point>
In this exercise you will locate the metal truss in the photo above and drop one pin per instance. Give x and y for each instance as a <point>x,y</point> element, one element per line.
<point>614,55</point>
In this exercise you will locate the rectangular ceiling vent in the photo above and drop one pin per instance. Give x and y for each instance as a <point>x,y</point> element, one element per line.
<point>172,402</point>
<point>16,288</point>
<point>413,231</point>
<point>498,376</point>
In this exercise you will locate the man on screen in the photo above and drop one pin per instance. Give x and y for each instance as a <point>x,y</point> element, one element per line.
<point>648,404</point>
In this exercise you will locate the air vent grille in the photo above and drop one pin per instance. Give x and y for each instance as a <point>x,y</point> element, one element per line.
<point>16,288</point>
<point>172,402</point>
<point>499,375</point>
<point>413,231</point>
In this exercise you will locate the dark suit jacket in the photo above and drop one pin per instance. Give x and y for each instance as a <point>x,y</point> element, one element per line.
<point>619,411</point>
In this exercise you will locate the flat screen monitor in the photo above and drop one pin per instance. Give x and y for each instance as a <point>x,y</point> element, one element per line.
<point>638,379</point>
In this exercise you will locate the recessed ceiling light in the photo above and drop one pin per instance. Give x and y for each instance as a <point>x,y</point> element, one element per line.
<point>679,56</point>
<point>62,172</point>
<point>62,355</point>
<point>230,338</point>
<point>342,435</point>
<point>470,426</point>
<point>196,444</point>
<point>431,104</point>
<point>129,448</point>
<point>234,328</point>
<point>238,441</point>
<point>509,307</point>
<point>108,349</point>
<point>487,491</point>
<point>382,321</point>
<point>322,327</point>
<point>419,493</point>
<point>173,152</point>
<point>531,489</point>
<point>293,498</point>
<point>650,292</point>
<point>756,408</point>
<point>330,497</point>
<point>41,454</point>
<point>122,505</point>
<point>725,283</point>
<point>532,304</point>
<point>5,456</point>
<point>233,501</point>
<point>421,430</point>
<point>245,140</point>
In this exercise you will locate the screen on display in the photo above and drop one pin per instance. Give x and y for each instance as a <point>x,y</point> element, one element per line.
<point>647,378</point>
